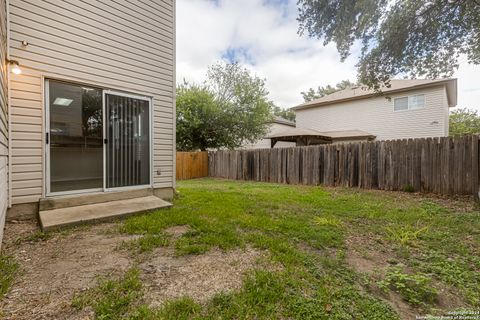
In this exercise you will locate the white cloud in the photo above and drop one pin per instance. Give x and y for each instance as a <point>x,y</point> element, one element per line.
<point>267,32</point>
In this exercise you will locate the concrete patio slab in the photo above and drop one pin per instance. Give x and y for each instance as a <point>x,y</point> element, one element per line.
<point>70,216</point>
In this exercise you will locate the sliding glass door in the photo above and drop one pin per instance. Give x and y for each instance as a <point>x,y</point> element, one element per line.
<point>96,140</point>
<point>128,141</point>
<point>74,137</point>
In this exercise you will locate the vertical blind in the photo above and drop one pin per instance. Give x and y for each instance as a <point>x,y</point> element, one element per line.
<point>128,141</point>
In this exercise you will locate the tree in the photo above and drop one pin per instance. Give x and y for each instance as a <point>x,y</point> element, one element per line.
<point>228,111</point>
<point>312,94</point>
<point>244,97</point>
<point>201,122</point>
<point>464,121</point>
<point>408,37</point>
<point>283,113</point>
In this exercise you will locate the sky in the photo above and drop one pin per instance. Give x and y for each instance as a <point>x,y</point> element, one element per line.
<point>262,35</point>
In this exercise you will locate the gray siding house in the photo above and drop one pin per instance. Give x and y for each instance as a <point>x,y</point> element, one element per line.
<point>91,116</point>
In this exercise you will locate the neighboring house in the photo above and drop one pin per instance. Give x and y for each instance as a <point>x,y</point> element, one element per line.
<point>408,109</point>
<point>278,125</point>
<point>92,114</point>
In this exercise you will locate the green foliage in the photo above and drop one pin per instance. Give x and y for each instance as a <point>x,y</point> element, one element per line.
<point>113,298</point>
<point>405,235</point>
<point>231,109</point>
<point>464,122</point>
<point>284,113</point>
<point>414,288</point>
<point>8,270</point>
<point>146,243</point>
<point>299,227</point>
<point>409,188</point>
<point>312,94</point>
<point>409,37</point>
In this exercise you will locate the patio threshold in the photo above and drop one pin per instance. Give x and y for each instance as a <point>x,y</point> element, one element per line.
<point>89,213</point>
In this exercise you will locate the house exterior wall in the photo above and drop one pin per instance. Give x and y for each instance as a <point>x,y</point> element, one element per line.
<point>266,144</point>
<point>3,118</point>
<point>120,45</point>
<point>376,116</point>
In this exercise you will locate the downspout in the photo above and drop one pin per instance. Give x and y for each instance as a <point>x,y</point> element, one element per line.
<point>9,110</point>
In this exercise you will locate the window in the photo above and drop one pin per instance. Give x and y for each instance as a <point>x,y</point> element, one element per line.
<point>409,103</point>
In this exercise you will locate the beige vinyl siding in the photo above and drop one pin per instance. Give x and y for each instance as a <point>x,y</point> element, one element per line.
<point>3,118</point>
<point>122,45</point>
<point>376,116</point>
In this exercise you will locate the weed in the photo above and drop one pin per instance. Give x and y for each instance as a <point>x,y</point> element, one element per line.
<point>8,270</point>
<point>409,188</point>
<point>327,221</point>
<point>414,288</point>
<point>146,243</point>
<point>113,299</point>
<point>405,235</point>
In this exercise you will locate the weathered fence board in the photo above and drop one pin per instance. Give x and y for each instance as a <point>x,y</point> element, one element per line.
<point>439,165</point>
<point>192,165</point>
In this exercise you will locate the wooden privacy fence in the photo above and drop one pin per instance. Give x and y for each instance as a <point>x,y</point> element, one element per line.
<point>438,165</point>
<point>192,165</point>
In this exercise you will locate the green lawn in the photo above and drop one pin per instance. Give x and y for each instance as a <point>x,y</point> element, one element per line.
<point>422,253</point>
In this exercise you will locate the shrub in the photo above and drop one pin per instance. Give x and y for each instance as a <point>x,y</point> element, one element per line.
<point>414,288</point>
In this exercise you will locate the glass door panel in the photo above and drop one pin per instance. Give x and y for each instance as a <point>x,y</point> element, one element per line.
<point>75,134</point>
<point>128,141</point>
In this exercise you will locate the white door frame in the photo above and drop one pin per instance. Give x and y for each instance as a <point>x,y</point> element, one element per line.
<point>48,192</point>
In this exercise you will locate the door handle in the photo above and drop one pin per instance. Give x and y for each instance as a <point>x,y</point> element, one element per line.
<point>46,138</point>
<point>105,141</point>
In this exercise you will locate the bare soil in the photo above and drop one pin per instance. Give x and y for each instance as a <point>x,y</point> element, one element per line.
<point>54,270</point>
<point>365,255</point>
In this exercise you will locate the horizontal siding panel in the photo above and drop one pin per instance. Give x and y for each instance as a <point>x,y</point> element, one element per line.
<point>26,199</point>
<point>22,103</point>
<point>52,19</point>
<point>27,160</point>
<point>27,153</point>
<point>30,144</point>
<point>26,120</point>
<point>89,42</point>
<point>25,176</point>
<point>27,184</point>
<point>31,112</point>
<point>24,168</point>
<point>30,136</point>
<point>50,63</point>
<point>27,192</point>
<point>89,58</point>
<point>160,32</point>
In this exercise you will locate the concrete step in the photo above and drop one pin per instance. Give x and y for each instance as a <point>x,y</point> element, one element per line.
<point>91,198</point>
<point>89,213</point>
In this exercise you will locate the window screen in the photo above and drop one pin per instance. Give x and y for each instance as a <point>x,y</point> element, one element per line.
<point>409,103</point>
<point>401,104</point>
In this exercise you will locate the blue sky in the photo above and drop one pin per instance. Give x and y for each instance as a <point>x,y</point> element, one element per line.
<point>262,35</point>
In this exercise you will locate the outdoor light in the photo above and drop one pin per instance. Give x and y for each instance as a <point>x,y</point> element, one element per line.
<point>15,67</point>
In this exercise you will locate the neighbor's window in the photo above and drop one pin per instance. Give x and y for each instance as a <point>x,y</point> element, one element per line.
<point>409,103</point>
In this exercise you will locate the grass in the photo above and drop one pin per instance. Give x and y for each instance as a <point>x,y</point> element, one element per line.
<point>8,269</point>
<point>305,230</point>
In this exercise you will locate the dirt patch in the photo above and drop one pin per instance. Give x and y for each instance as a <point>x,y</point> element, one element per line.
<point>177,231</point>
<point>200,277</point>
<point>51,271</point>
<point>55,267</point>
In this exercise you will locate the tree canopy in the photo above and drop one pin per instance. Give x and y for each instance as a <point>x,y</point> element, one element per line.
<point>230,109</point>
<point>412,38</point>
<point>464,121</point>
<point>284,113</point>
<point>312,94</point>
